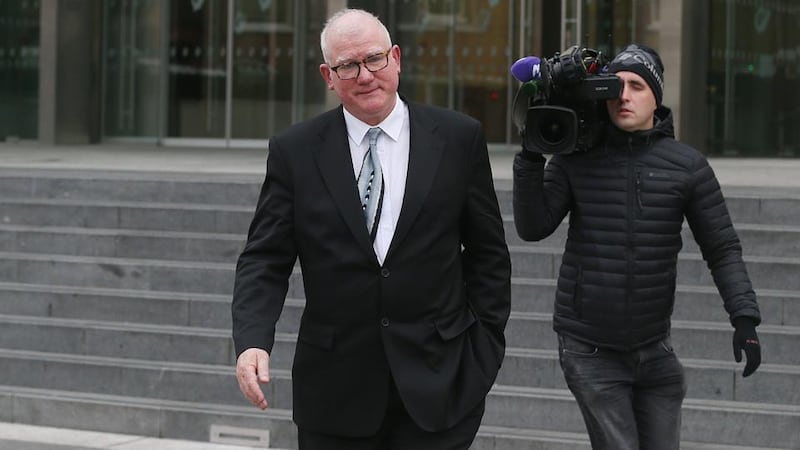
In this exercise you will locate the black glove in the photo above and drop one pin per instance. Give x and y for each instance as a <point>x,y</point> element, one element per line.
<point>745,338</point>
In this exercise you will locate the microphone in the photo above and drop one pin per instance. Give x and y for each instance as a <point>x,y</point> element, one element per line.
<point>526,69</point>
<point>531,88</point>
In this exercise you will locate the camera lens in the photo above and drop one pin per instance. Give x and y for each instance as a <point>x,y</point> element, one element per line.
<point>552,130</point>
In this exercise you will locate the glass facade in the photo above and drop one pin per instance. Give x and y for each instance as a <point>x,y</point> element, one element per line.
<point>19,69</point>
<point>197,72</point>
<point>753,84</point>
<point>234,72</point>
<point>132,68</point>
<point>456,55</point>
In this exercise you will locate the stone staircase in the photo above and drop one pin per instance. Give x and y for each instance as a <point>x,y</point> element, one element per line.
<point>115,316</point>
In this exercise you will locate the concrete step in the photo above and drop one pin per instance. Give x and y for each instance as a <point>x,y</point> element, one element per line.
<point>707,379</point>
<point>778,307</point>
<point>132,305</point>
<point>744,206</point>
<point>169,419</point>
<point>280,431</point>
<point>138,341</point>
<point>509,408</point>
<point>756,238</point>
<point>177,380</point>
<point>215,277</point>
<point>704,421</point>
<point>224,189</point>
<point>691,339</point>
<point>122,243</point>
<point>766,272</point>
<point>213,310</point>
<point>525,329</point>
<point>695,340</point>
<point>159,252</point>
<point>125,376</point>
<point>535,365</point>
<point>121,273</point>
<point>106,304</point>
<point>219,247</point>
<point>139,215</point>
<point>130,340</point>
<point>98,203</point>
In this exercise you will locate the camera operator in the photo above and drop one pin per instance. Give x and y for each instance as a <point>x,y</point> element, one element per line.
<point>627,197</point>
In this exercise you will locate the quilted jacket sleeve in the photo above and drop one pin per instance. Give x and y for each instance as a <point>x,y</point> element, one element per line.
<point>541,195</point>
<point>707,215</point>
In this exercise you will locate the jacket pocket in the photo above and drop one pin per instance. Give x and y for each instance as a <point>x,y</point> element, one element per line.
<point>572,346</point>
<point>317,335</point>
<point>453,325</point>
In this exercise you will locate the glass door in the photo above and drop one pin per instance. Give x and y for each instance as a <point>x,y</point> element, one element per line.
<point>210,72</point>
<point>457,55</point>
<point>197,70</point>
<point>261,99</point>
<point>132,67</point>
<point>19,70</point>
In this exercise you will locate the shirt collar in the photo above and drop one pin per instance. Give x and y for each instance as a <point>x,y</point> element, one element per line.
<point>391,125</point>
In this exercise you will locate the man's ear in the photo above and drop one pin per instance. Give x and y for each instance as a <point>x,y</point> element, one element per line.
<point>396,55</point>
<point>326,73</point>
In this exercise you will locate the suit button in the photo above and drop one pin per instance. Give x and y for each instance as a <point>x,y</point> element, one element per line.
<point>385,273</point>
<point>384,322</point>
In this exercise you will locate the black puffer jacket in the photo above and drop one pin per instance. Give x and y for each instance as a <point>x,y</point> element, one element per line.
<point>626,202</point>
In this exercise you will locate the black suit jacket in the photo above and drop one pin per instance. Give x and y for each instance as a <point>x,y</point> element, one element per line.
<point>431,317</point>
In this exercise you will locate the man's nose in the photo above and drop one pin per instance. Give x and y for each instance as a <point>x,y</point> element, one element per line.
<point>623,94</point>
<point>364,74</point>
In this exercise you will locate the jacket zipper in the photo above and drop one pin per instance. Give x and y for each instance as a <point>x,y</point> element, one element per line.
<point>633,191</point>
<point>577,303</point>
<point>639,206</point>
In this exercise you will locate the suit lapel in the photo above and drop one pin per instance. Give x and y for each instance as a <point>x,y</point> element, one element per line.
<point>335,166</point>
<point>424,155</point>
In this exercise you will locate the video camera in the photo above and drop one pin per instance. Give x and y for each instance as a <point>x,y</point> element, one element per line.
<point>560,106</point>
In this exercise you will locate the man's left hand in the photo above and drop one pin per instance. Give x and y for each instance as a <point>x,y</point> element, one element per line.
<point>745,338</point>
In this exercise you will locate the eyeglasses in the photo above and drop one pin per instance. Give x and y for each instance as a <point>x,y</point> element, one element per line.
<point>373,63</point>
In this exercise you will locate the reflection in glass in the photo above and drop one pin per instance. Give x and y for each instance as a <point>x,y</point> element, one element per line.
<point>754,79</point>
<point>197,71</point>
<point>132,68</point>
<point>456,55</point>
<point>262,68</point>
<point>19,70</point>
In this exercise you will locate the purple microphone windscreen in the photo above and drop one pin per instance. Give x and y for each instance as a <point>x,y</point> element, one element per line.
<point>526,68</point>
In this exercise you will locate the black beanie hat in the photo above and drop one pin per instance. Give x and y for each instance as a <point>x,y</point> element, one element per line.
<point>645,62</point>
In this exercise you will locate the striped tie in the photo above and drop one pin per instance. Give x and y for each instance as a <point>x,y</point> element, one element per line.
<point>370,184</point>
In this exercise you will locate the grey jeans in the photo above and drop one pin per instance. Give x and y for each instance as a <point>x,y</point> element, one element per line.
<point>629,400</point>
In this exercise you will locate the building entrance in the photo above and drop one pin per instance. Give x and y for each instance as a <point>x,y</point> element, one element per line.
<point>208,72</point>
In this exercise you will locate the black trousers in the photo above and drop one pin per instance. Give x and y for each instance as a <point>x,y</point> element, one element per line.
<point>399,432</point>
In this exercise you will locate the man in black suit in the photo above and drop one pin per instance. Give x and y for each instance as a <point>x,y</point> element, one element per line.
<point>402,333</point>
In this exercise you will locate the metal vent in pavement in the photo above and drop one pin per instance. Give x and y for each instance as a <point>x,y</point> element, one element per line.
<point>224,434</point>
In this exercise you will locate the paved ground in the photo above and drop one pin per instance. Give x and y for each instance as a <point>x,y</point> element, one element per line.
<point>25,437</point>
<point>737,174</point>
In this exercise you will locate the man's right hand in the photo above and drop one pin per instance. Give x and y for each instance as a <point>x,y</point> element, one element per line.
<point>252,369</point>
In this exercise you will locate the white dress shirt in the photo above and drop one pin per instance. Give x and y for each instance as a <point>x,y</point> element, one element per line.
<point>392,148</point>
